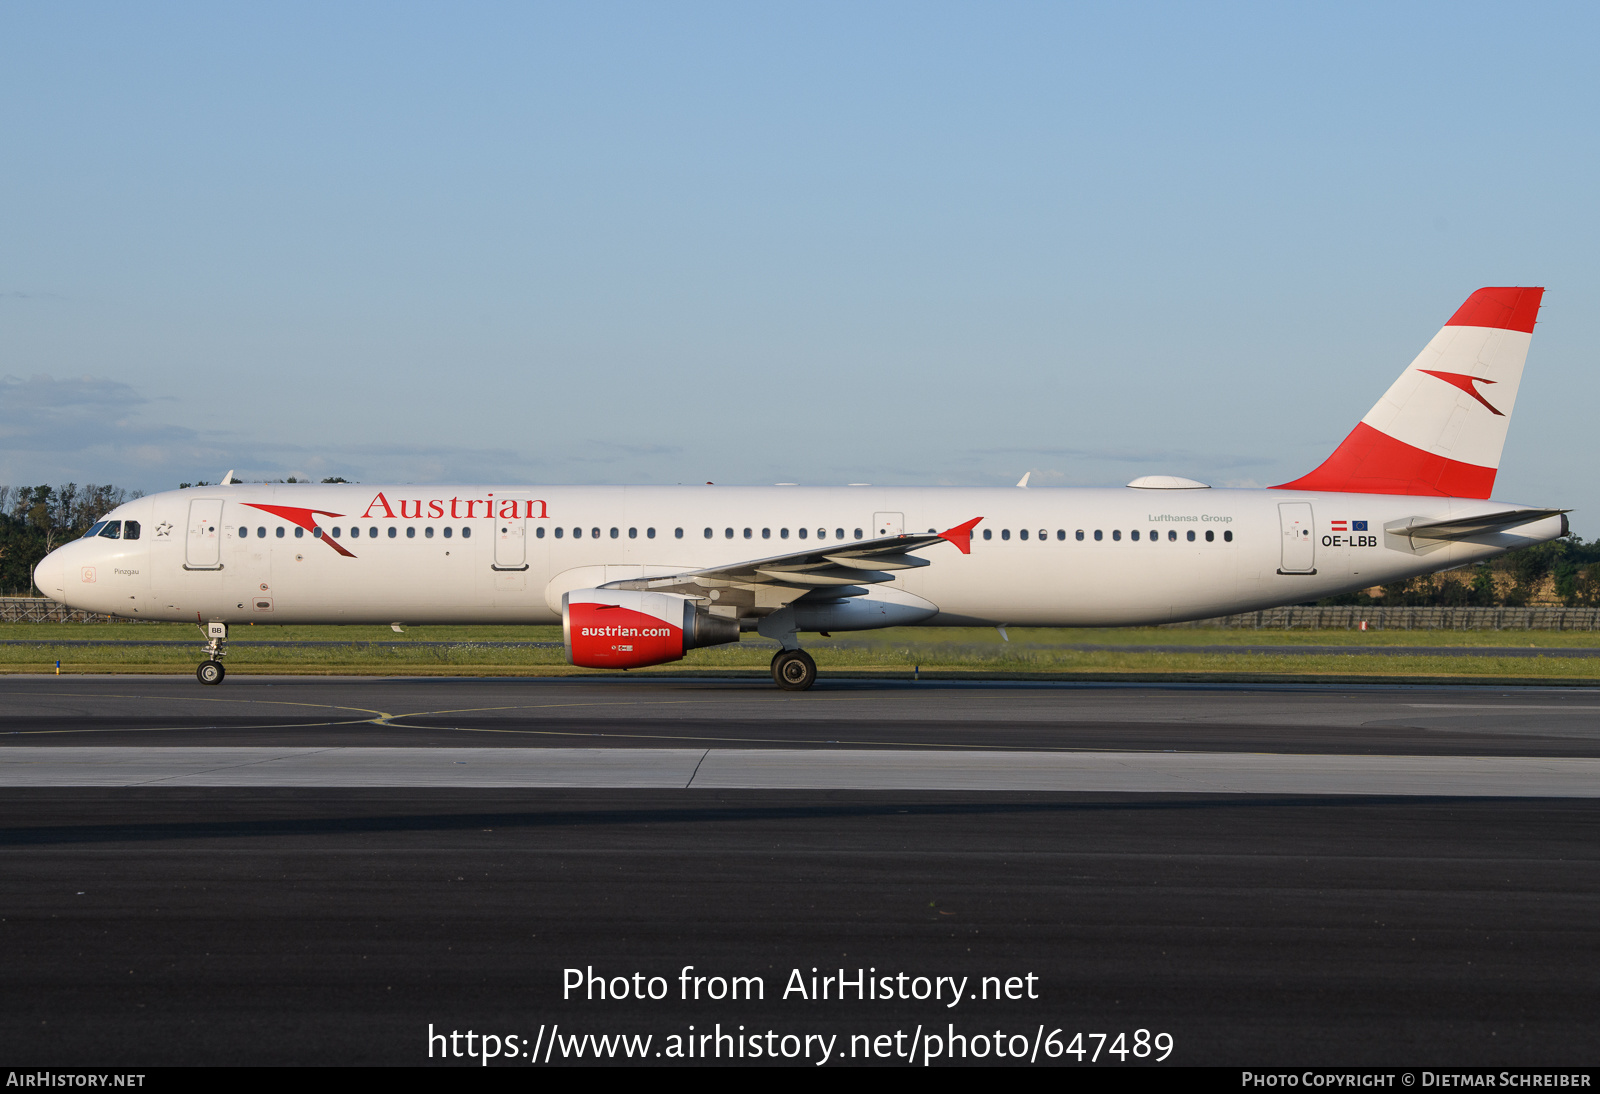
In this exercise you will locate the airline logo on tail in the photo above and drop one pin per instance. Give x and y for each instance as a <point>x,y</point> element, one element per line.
<point>1455,379</point>
<point>1432,438</point>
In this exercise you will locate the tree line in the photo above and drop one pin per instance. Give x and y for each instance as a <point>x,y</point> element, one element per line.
<point>35,520</point>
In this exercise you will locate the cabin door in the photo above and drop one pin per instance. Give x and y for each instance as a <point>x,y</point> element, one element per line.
<point>1299,544</point>
<point>204,544</point>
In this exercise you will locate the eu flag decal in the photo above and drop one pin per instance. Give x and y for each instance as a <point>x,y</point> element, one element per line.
<point>1358,526</point>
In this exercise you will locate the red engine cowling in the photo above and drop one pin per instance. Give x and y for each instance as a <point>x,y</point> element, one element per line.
<point>627,628</point>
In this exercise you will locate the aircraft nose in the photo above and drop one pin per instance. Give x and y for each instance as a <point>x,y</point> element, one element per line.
<point>51,576</point>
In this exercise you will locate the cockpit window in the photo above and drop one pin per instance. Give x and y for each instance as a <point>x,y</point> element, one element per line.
<point>94,529</point>
<point>112,529</point>
<point>130,529</point>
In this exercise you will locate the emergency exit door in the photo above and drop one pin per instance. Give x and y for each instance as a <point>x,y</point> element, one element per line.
<point>1299,541</point>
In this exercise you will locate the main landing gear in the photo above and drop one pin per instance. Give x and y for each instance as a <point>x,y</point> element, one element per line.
<point>216,648</point>
<point>792,670</point>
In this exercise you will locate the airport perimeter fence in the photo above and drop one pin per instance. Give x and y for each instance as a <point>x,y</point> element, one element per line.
<point>1350,617</point>
<point>38,609</point>
<point>34,609</point>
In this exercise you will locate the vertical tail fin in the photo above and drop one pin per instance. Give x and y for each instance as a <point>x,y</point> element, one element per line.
<point>1440,427</point>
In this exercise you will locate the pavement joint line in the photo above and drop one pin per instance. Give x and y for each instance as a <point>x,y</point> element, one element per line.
<point>696,770</point>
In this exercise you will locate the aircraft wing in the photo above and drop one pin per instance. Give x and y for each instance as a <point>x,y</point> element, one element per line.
<point>1484,524</point>
<point>828,570</point>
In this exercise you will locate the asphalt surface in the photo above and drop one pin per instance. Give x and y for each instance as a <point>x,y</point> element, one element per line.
<point>751,713</point>
<point>278,924</point>
<point>1082,647</point>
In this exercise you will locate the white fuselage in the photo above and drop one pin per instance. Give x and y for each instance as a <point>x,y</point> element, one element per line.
<point>1040,557</point>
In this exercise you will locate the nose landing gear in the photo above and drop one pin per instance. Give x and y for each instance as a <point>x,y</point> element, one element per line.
<point>216,648</point>
<point>793,670</point>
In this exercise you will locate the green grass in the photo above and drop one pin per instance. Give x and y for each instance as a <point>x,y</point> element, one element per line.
<point>1032,652</point>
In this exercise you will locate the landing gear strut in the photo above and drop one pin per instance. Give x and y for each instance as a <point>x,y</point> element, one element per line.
<point>216,648</point>
<point>793,670</point>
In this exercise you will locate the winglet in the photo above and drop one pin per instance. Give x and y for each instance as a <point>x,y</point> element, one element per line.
<point>961,535</point>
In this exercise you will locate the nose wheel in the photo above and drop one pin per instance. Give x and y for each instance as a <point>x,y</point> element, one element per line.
<point>216,648</point>
<point>793,670</point>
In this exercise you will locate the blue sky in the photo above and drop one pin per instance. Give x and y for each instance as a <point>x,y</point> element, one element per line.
<point>753,243</point>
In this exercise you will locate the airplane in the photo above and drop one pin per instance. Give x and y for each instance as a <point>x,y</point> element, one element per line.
<point>640,575</point>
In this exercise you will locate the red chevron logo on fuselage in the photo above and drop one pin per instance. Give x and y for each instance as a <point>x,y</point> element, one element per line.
<point>304,518</point>
<point>1465,382</point>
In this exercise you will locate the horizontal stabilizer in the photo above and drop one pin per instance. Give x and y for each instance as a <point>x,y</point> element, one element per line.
<point>1467,527</point>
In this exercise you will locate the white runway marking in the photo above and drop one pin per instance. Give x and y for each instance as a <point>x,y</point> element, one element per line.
<point>807,769</point>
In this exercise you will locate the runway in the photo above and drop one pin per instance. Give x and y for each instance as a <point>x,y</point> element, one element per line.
<point>314,870</point>
<point>809,769</point>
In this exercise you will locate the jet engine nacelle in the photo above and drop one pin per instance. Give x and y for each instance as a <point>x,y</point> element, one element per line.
<point>627,628</point>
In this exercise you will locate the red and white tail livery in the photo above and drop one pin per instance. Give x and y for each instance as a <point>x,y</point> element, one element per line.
<point>640,576</point>
<point>1441,427</point>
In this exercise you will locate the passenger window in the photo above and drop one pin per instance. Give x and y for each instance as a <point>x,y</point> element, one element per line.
<point>335,531</point>
<point>613,533</point>
<point>279,531</point>
<point>1045,534</point>
<point>427,533</point>
<point>633,533</point>
<point>373,532</point>
<point>559,530</point>
<point>838,533</point>
<point>1098,535</point>
<point>1172,535</point>
<point>708,533</point>
<point>448,531</point>
<point>988,534</point>
<point>1155,536</point>
<point>411,532</point>
<point>299,533</point>
<point>747,534</point>
<point>466,533</point>
<point>1116,533</point>
<point>261,533</point>
<point>783,533</point>
<point>594,533</point>
<point>1079,535</point>
<point>727,533</point>
<point>858,533</point>
<point>1210,536</point>
<point>766,533</point>
<point>1005,533</point>
<point>801,533</point>
<point>1134,535</point>
<point>316,533</point>
<point>577,533</point>
<point>393,531</point>
<point>355,533</point>
<point>1227,537</point>
<point>1190,535</point>
<point>1023,534</point>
